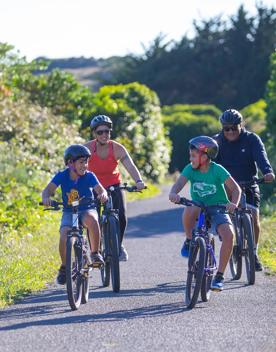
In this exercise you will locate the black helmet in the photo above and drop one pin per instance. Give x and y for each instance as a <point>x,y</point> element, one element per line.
<point>100,120</point>
<point>76,151</point>
<point>206,145</point>
<point>230,117</point>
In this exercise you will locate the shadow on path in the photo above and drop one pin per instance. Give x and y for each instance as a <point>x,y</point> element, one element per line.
<point>161,222</point>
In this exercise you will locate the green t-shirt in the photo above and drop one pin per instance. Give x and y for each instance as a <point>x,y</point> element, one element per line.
<point>208,187</point>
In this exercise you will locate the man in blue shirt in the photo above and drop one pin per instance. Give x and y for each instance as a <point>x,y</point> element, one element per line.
<point>242,153</point>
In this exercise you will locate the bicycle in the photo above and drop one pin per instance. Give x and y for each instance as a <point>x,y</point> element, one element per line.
<point>78,262</point>
<point>244,242</point>
<point>202,261</point>
<point>110,239</point>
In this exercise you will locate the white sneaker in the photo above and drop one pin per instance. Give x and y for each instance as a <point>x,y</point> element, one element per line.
<point>123,257</point>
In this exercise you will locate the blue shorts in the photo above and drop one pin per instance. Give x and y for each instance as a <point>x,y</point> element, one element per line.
<point>66,220</point>
<point>217,218</point>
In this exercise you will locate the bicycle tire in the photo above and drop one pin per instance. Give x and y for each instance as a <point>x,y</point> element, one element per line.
<point>208,276</point>
<point>114,249</point>
<point>249,256</point>
<point>73,276</point>
<point>85,276</point>
<point>195,271</point>
<point>235,261</point>
<point>105,250</point>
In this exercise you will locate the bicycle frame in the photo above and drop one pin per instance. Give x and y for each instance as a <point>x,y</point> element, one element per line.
<point>202,231</point>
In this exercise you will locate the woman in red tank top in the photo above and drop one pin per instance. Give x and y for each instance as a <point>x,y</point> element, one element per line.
<point>105,157</point>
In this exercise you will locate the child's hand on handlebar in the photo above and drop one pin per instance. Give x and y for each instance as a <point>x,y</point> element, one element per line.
<point>103,197</point>
<point>46,201</point>
<point>174,198</point>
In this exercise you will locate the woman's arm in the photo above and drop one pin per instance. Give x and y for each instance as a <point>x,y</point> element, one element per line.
<point>129,165</point>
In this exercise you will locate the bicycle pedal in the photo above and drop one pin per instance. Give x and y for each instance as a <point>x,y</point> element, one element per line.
<point>96,265</point>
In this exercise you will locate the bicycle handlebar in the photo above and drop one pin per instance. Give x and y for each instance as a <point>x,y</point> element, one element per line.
<point>55,205</point>
<point>189,203</point>
<point>124,187</point>
<point>255,181</point>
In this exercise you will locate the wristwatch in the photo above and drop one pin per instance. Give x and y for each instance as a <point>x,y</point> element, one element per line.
<point>139,181</point>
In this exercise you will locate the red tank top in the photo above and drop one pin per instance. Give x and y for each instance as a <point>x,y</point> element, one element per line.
<point>106,170</point>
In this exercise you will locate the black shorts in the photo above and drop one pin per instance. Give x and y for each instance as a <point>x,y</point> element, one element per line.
<point>253,196</point>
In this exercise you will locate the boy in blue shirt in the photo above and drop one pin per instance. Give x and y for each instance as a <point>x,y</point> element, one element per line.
<point>76,182</point>
<point>207,186</point>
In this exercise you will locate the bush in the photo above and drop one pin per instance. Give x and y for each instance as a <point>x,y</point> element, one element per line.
<point>136,115</point>
<point>255,116</point>
<point>182,126</point>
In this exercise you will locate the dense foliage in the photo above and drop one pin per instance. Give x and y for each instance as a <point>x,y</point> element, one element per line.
<point>185,122</point>
<point>226,63</point>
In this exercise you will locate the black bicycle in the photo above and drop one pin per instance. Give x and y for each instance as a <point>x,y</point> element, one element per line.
<point>110,239</point>
<point>244,242</point>
<point>202,261</point>
<point>78,262</point>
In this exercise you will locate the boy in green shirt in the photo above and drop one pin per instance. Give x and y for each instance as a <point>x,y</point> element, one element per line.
<point>207,186</point>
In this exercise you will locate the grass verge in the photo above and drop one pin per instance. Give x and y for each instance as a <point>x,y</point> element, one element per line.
<point>267,247</point>
<point>28,263</point>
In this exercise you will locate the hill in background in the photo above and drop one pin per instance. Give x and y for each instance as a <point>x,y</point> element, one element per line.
<point>88,71</point>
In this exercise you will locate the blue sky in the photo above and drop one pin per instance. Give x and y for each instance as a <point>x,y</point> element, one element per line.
<point>102,28</point>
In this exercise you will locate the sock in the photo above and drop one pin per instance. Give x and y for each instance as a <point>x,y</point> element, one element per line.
<point>219,274</point>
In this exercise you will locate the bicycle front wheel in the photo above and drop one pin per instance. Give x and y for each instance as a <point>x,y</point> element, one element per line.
<point>235,261</point>
<point>249,256</point>
<point>195,273</point>
<point>85,272</point>
<point>114,249</point>
<point>208,272</point>
<point>73,273</point>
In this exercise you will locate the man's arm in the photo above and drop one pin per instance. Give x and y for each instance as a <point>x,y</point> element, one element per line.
<point>260,156</point>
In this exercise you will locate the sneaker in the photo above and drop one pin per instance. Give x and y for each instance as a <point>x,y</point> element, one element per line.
<point>123,257</point>
<point>217,283</point>
<point>258,265</point>
<point>97,259</point>
<point>185,248</point>
<point>61,277</point>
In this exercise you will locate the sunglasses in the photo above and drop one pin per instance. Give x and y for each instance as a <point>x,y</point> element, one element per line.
<point>230,128</point>
<point>100,132</point>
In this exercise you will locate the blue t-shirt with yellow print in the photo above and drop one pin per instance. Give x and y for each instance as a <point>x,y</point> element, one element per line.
<point>207,187</point>
<point>75,189</point>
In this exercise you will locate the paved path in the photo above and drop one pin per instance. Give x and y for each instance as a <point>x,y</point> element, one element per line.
<point>149,313</point>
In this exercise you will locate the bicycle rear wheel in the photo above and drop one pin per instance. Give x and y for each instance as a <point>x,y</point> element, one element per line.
<point>235,261</point>
<point>208,273</point>
<point>105,250</point>
<point>114,246</point>
<point>249,256</point>
<point>73,274</point>
<point>195,273</point>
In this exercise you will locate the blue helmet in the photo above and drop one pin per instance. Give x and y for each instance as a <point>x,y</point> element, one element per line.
<point>100,120</point>
<point>75,152</point>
